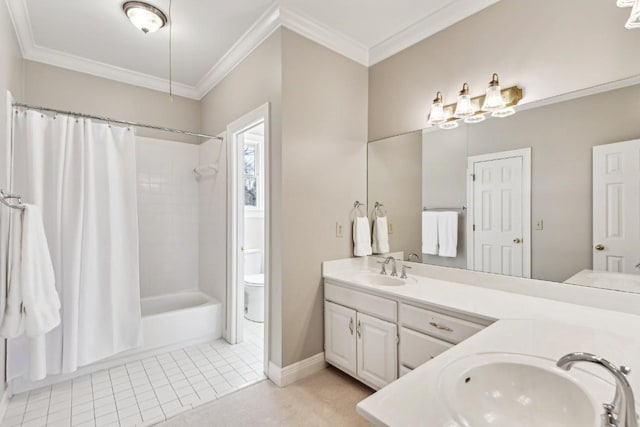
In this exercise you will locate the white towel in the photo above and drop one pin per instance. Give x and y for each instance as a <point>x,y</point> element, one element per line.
<point>380,235</point>
<point>361,237</point>
<point>33,306</point>
<point>430,233</point>
<point>448,234</point>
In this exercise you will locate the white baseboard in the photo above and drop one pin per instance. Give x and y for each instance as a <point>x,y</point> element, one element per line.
<point>4,403</point>
<point>292,373</point>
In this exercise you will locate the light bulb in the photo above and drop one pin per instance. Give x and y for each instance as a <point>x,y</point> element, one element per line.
<point>436,114</point>
<point>464,107</point>
<point>493,99</point>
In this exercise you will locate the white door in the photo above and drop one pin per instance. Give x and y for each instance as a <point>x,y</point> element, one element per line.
<point>616,207</point>
<point>340,340</point>
<point>500,214</point>
<point>377,350</point>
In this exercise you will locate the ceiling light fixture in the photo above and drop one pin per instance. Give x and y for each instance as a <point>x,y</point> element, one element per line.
<point>436,114</point>
<point>145,17</point>
<point>464,107</point>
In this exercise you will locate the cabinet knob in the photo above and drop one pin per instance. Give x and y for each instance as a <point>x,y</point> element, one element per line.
<point>599,247</point>
<point>517,240</point>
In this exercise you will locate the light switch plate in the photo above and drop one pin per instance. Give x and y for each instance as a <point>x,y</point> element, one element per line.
<point>338,229</point>
<point>539,225</point>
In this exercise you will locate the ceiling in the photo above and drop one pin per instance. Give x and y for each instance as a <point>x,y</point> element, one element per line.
<point>211,37</point>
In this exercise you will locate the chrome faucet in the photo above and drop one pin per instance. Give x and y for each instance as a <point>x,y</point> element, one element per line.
<point>620,413</point>
<point>394,271</point>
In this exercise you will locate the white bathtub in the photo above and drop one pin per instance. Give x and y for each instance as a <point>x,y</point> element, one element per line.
<point>178,318</point>
<point>169,322</point>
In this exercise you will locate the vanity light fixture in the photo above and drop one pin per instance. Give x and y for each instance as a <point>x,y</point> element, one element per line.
<point>145,17</point>
<point>476,118</point>
<point>496,101</point>
<point>436,114</point>
<point>464,107</point>
<point>450,124</point>
<point>493,99</point>
<point>634,18</point>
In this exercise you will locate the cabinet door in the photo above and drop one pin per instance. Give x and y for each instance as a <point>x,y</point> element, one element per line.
<point>377,350</point>
<point>339,336</point>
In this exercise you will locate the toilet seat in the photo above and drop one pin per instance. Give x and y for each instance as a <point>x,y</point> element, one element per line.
<point>254,280</point>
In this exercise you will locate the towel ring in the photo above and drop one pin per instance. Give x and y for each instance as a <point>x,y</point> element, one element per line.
<point>379,210</point>
<point>357,211</point>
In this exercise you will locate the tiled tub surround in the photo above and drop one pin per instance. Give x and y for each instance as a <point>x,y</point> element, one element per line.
<point>142,392</point>
<point>533,317</point>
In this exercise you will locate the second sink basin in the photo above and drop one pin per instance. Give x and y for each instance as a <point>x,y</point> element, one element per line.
<point>513,390</point>
<point>379,279</point>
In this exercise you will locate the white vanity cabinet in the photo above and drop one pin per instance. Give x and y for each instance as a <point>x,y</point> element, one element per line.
<point>363,344</point>
<point>375,338</point>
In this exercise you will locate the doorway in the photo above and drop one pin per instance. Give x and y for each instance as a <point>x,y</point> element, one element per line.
<point>499,201</point>
<point>248,232</point>
<point>616,207</point>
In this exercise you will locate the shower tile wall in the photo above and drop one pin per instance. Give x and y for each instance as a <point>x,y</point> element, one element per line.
<point>167,216</point>
<point>213,220</point>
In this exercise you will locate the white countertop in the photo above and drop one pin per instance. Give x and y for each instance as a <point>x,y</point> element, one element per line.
<point>530,320</point>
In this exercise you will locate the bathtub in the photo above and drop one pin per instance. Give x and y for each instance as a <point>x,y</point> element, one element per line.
<point>179,318</point>
<point>169,322</point>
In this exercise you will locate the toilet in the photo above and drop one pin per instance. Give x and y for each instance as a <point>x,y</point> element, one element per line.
<point>253,286</point>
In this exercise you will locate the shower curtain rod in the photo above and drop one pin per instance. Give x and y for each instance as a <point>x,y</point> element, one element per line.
<point>120,122</point>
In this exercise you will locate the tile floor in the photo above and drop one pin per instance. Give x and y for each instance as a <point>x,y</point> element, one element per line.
<point>147,391</point>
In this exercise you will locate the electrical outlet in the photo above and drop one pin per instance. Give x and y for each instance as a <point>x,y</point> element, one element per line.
<point>539,225</point>
<point>390,228</point>
<point>338,229</point>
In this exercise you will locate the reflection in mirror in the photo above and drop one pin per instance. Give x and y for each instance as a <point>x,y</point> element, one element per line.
<point>556,195</point>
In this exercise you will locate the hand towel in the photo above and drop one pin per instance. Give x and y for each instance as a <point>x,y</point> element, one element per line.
<point>448,234</point>
<point>380,235</point>
<point>430,233</point>
<point>361,237</point>
<point>34,306</point>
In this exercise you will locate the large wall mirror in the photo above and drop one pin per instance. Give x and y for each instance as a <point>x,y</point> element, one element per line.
<point>551,193</point>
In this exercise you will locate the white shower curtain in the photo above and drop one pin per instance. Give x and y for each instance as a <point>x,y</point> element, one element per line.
<point>83,176</point>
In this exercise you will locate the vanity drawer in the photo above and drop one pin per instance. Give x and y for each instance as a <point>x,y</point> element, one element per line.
<point>417,348</point>
<point>437,325</point>
<point>364,303</point>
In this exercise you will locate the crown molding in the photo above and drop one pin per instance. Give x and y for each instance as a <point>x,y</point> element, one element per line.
<point>324,35</point>
<point>33,52</point>
<point>430,25</point>
<point>250,40</point>
<point>271,20</point>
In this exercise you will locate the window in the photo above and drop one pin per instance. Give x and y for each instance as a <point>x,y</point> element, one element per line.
<point>253,182</point>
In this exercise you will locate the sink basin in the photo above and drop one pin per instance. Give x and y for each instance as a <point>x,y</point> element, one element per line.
<point>514,390</point>
<point>379,279</point>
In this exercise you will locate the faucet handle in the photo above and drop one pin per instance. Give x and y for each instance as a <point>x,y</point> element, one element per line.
<point>404,271</point>
<point>383,271</point>
<point>608,417</point>
<point>625,370</point>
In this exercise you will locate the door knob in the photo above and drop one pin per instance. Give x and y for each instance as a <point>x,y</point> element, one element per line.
<point>599,247</point>
<point>517,240</point>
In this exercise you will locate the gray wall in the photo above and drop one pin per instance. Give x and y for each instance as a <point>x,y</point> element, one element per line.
<point>547,46</point>
<point>395,180</point>
<point>561,136</point>
<point>254,82</point>
<point>11,70</point>
<point>324,170</point>
<point>59,88</point>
